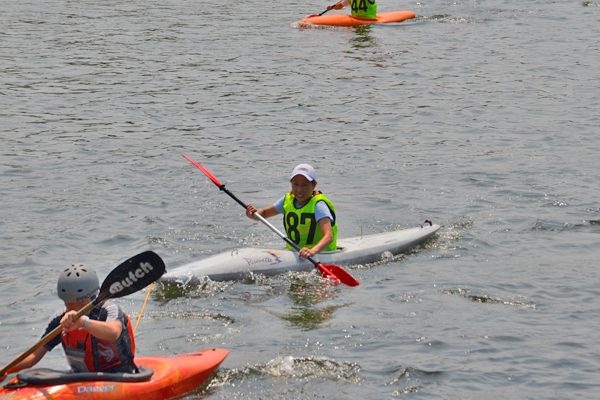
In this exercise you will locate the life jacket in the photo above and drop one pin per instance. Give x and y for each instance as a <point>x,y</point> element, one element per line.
<point>364,8</point>
<point>301,224</point>
<point>86,353</point>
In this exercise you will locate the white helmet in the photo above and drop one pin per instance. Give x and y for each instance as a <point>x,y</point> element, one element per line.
<point>78,283</point>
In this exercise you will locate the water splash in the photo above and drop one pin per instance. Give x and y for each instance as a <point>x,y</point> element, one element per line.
<point>297,369</point>
<point>487,299</point>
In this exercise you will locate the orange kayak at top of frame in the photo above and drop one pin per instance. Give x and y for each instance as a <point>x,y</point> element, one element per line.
<point>348,20</point>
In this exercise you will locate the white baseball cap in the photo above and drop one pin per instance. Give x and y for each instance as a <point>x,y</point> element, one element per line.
<point>306,170</point>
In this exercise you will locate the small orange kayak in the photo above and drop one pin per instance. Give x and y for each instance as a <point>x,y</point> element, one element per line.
<point>161,378</point>
<point>348,20</point>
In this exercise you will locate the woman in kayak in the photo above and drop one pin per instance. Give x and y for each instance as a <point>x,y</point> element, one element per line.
<point>100,341</point>
<point>360,8</point>
<point>308,216</point>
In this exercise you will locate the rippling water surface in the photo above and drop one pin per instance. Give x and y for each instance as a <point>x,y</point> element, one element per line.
<point>480,115</point>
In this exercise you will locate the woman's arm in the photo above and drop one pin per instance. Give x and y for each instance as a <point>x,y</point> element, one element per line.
<point>339,6</point>
<point>265,212</point>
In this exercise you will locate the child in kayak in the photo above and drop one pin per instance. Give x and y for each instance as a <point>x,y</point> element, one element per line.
<point>309,217</point>
<point>100,341</point>
<point>360,8</point>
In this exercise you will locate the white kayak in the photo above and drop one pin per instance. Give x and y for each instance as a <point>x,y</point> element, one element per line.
<point>238,263</point>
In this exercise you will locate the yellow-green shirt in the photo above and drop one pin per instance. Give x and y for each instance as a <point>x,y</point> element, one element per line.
<point>364,8</point>
<point>301,224</point>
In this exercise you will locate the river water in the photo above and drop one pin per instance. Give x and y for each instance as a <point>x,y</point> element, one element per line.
<point>482,116</point>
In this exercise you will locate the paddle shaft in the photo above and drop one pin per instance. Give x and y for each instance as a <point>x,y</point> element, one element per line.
<point>331,7</point>
<point>315,15</point>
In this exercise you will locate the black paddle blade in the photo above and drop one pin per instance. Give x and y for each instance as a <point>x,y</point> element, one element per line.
<point>133,275</point>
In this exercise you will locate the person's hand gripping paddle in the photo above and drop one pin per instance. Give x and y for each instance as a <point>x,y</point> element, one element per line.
<point>318,15</point>
<point>327,271</point>
<point>129,277</point>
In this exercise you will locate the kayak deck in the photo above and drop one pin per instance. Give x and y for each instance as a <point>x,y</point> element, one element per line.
<point>238,263</point>
<point>172,377</point>
<point>348,20</point>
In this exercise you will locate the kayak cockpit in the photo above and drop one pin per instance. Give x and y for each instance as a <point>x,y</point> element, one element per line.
<point>338,250</point>
<point>48,377</point>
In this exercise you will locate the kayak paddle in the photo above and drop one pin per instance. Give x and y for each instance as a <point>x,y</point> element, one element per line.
<point>327,271</point>
<point>129,277</point>
<point>318,15</point>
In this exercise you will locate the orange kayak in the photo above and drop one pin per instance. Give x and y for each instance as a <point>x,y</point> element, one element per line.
<point>166,378</point>
<point>348,20</point>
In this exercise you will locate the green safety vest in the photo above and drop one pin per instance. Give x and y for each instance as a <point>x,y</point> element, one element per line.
<point>301,224</point>
<point>364,8</point>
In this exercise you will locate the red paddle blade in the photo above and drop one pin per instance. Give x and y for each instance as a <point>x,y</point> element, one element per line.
<point>337,273</point>
<point>314,15</point>
<point>206,172</point>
